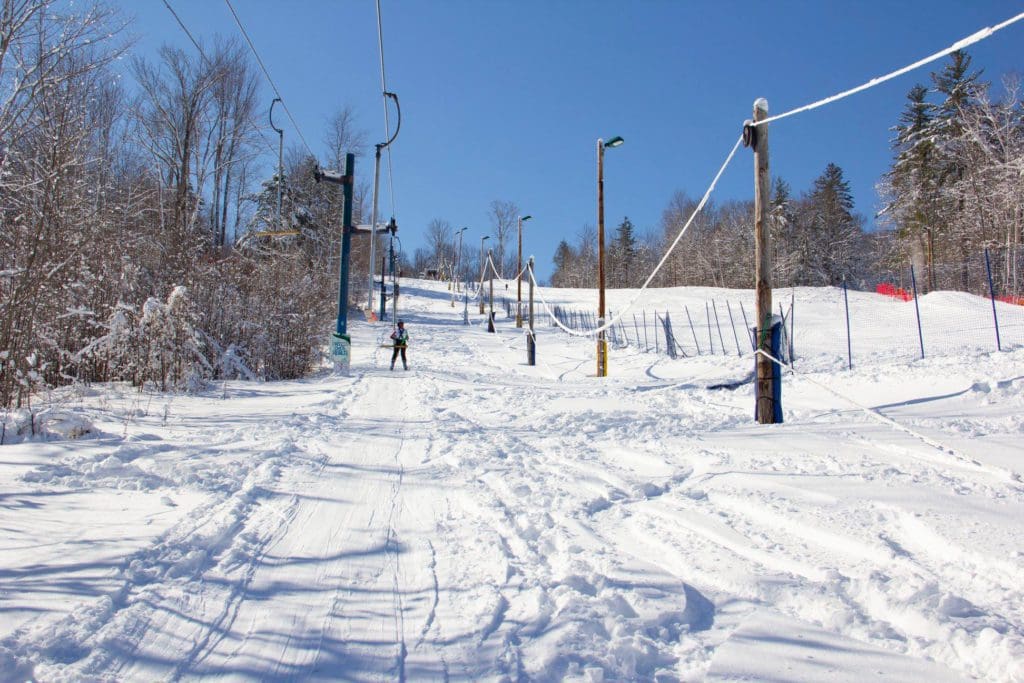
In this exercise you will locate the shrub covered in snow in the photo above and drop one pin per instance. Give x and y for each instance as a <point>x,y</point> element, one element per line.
<point>21,425</point>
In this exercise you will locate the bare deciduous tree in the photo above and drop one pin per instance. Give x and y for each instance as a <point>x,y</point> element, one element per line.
<point>503,215</point>
<point>234,136</point>
<point>439,243</point>
<point>52,61</point>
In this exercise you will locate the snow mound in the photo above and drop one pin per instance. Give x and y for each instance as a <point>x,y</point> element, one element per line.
<point>48,425</point>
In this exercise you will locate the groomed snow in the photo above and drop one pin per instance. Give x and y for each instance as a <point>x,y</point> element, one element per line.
<point>476,518</point>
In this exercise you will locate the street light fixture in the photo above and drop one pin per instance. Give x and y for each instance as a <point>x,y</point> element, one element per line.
<point>481,290</point>
<point>519,275</point>
<point>455,266</point>
<point>602,343</point>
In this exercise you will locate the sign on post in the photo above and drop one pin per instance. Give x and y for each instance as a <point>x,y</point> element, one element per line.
<point>341,351</point>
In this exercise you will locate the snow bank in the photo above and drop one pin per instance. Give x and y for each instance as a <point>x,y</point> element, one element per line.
<point>478,518</point>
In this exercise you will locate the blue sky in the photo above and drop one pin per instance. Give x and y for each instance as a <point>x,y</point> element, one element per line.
<point>505,99</point>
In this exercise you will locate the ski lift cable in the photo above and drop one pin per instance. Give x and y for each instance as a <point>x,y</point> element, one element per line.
<point>209,64</point>
<point>387,121</point>
<point>263,66</point>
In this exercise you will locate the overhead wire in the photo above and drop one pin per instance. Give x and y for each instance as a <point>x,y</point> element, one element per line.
<point>185,29</point>
<point>259,60</point>
<point>387,120</point>
<point>209,64</point>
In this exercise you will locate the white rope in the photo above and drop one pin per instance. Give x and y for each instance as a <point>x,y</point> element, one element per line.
<point>969,40</point>
<point>878,416</point>
<point>483,275</point>
<point>494,268</point>
<point>959,45</point>
<point>661,263</point>
<point>551,314</point>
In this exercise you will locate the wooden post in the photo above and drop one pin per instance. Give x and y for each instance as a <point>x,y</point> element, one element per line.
<point>531,343</point>
<point>762,258</point>
<point>531,295</point>
<point>602,344</point>
<point>483,271</point>
<point>490,314</point>
<point>519,277</point>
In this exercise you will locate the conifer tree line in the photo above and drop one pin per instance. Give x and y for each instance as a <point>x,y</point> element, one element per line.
<point>139,237</point>
<point>955,187</point>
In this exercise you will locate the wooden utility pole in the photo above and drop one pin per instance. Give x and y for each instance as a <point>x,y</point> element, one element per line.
<point>490,314</point>
<point>483,271</point>
<point>531,341</point>
<point>765,408</point>
<point>602,344</point>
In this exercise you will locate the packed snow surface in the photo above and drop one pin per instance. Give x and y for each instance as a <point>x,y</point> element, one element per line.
<point>478,518</point>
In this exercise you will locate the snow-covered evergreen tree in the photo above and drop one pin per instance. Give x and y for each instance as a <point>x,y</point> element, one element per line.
<point>622,255</point>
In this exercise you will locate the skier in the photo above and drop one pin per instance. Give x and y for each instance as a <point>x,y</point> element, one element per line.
<point>401,338</point>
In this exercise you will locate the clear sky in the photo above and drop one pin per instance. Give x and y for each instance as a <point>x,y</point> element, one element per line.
<point>505,99</point>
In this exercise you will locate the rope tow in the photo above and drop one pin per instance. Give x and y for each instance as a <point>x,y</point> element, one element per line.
<point>749,131</point>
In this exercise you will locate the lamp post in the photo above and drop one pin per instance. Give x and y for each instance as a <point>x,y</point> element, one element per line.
<point>519,274</point>
<point>455,268</point>
<point>465,287</point>
<point>602,343</point>
<point>485,237</point>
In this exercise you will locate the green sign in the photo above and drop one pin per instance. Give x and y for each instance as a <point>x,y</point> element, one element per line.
<point>341,350</point>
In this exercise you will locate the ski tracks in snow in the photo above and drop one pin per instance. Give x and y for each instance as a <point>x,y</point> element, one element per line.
<point>181,594</point>
<point>672,493</point>
<point>557,613</point>
<point>815,542</point>
<point>468,520</point>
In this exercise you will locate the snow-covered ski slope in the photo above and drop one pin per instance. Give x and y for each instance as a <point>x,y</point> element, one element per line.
<point>476,518</point>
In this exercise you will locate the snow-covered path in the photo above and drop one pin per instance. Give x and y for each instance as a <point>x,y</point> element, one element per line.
<point>476,518</point>
<point>318,588</point>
